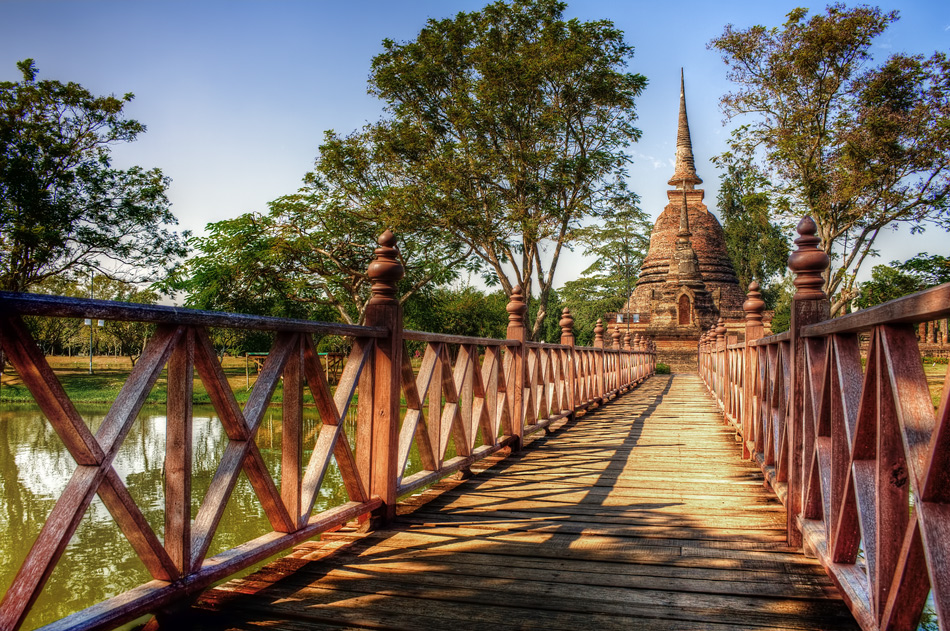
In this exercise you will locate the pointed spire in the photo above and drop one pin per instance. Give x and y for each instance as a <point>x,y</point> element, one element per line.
<point>685,172</point>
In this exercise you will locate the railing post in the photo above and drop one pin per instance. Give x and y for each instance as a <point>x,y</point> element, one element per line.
<point>701,349</point>
<point>637,357</point>
<point>567,339</point>
<point>809,305</point>
<point>753,306</point>
<point>384,310</point>
<point>627,359</point>
<point>721,362</point>
<point>516,331</point>
<point>600,359</point>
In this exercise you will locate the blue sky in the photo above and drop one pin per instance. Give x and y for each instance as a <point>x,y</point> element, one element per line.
<point>236,94</point>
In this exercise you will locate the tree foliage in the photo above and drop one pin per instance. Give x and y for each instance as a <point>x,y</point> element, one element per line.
<point>307,258</point>
<point>462,311</point>
<point>66,335</point>
<point>62,204</point>
<point>757,245</point>
<point>506,129</point>
<point>859,147</point>
<point>619,245</point>
<point>901,278</point>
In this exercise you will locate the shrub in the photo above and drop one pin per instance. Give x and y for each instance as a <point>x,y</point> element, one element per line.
<point>662,369</point>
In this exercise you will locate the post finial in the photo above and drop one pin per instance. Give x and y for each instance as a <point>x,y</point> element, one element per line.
<point>721,329</point>
<point>626,341</point>
<point>754,305</point>
<point>567,322</point>
<point>808,262</point>
<point>516,306</point>
<point>616,337</point>
<point>385,270</point>
<point>599,332</point>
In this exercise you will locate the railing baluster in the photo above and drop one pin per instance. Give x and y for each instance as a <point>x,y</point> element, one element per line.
<point>178,454</point>
<point>291,448</point>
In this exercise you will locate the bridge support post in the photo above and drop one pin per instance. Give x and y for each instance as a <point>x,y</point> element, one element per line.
<point>809,305</point>
<point>516,331</point>
<point>378,463</point>
<point>753,307</point>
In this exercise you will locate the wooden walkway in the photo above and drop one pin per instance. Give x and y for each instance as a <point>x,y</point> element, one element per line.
<point>639,515</point>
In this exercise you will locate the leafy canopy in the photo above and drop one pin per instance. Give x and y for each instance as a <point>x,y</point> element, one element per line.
<point>619,245</point>
<point>506,129</point>
<point>859,147</point>
<point>757,245</point>
<point>307,257</point>
<point>901,278</point>
<point>62,204</point>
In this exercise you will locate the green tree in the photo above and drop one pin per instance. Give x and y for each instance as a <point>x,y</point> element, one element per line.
<point>463,311</point>
<point>127,337</point>
<point>619,245</point>
<point>307,258</point>
<point>858,147</point>
<point>62,205</point>
<point>901,278</point>
<point>887,283</point>
<point>757,246</point>
<point>507,129</point>
<point>930,269</point>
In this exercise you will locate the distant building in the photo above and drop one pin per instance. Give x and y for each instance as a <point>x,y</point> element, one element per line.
<point>687,281</point>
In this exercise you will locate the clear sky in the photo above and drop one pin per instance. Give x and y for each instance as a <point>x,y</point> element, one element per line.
<point>236,94</point>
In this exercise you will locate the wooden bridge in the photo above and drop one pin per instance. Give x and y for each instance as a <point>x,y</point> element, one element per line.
<point>784,487</point>
<point>638,515</point>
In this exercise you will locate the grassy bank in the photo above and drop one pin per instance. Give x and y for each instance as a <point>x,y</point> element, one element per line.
<point>110,373</point>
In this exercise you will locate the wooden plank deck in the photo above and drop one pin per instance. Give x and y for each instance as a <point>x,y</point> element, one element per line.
<point>639,515</point>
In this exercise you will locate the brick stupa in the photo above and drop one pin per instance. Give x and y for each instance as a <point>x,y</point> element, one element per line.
<point>687,281</point>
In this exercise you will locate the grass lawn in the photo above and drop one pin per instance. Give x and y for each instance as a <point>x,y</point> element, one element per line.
<point>936,374</point>
<point>109,373</point>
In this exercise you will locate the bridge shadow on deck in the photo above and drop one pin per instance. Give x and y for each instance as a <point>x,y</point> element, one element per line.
<point>638,515</point>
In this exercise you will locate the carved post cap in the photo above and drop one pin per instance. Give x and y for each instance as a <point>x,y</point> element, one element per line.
<point>754,305</point>
<point>721,328</point>
<point>385,271</point>
<point>808,262</point>
<point>567,322</point>
<point>516,306</point>
<point>599,330</point>
<point>616,337</point>
<point>626,340</point>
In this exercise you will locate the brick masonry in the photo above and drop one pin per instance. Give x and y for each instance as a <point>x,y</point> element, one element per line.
<point>674,310</point>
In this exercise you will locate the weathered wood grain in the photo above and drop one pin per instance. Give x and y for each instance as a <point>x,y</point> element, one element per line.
<point>638,515</point>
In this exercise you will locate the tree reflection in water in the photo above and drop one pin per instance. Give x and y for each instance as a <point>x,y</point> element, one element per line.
<point>99,563</point>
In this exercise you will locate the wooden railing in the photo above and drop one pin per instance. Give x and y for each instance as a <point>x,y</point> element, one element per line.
<point>479,394</point>
<point>851,445</point>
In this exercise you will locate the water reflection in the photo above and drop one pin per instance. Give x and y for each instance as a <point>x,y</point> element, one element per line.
<point>99,563</point>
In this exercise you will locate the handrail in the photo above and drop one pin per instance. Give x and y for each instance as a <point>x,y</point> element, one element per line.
<point>856,454</point>
<point>482,395</point>
<point>923,306</point>
<point>772,339</point>
<point>64,307</point>
<point>422,336</point>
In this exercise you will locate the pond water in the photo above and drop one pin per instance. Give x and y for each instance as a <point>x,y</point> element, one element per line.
<point>99,563</point>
